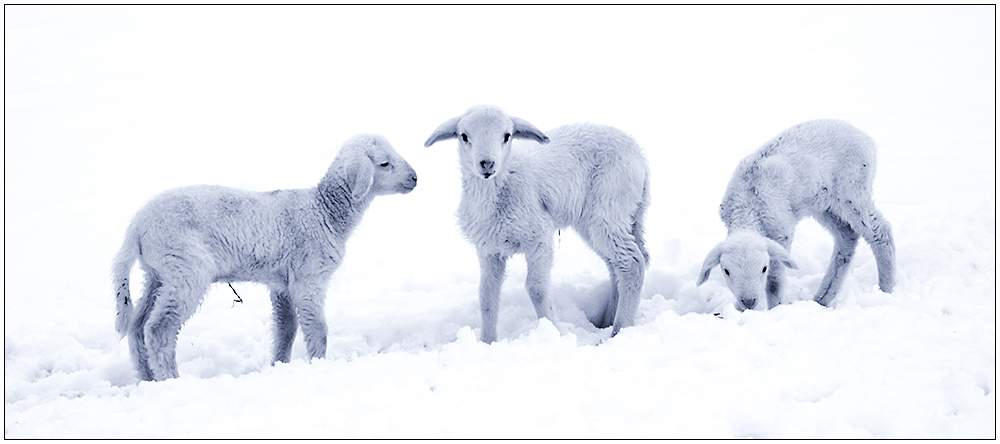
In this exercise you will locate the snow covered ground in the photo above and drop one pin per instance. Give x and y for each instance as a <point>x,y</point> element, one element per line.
<point>106,106</point>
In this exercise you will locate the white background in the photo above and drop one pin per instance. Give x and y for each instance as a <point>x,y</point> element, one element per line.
<point>105,106</point>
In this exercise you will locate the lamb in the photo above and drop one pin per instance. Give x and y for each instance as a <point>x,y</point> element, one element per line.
<point>820,168</point>
<point>187,238</point>
<point>517,193</point>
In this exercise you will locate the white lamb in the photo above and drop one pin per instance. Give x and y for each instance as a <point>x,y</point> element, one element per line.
<point>186,239</point>
<point>821,168</point>
<point>516,194</point>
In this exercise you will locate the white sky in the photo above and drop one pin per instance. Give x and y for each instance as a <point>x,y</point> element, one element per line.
<point>120,102</point>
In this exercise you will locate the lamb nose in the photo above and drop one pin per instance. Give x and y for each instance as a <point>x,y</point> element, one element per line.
<point>486,164</point>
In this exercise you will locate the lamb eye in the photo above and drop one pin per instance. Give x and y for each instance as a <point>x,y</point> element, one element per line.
<point>726,270</point>
<point>506,138</point>
<point>384,164</point>
<point>764,270</point>
<point>465,138</point>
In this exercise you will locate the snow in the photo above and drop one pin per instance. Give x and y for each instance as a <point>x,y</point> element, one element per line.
<point>107,106</point>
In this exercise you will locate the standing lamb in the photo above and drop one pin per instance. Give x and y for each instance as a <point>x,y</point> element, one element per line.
<point>515,195</point>
<point>821,168</point>
<point>187,238</point>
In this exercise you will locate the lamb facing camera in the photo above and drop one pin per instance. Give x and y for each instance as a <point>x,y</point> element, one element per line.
<point>185,239</point>
<point>519,185</point>
<point>820,168</point>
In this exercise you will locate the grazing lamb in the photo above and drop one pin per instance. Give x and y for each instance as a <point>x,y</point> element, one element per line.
<point>187,238</point>
<point>821,168</point>
<point>515,195</point>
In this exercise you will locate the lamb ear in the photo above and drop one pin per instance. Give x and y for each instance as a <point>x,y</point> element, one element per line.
<point>525,130</point>
<point>447,130</point>
<point>714,255</point>
<point>360,174</point>
<point>780,254</point>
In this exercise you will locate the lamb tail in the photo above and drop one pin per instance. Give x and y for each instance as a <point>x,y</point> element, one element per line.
<point>120,271</point>
<point>638,224</point>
